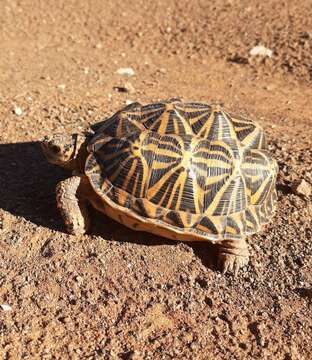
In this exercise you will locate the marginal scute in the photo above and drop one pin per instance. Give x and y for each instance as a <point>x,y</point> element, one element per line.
<point>208,225</point>
<point>184,167</point>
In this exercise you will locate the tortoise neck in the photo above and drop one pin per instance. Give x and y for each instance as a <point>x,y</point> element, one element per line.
<point>78,159</point>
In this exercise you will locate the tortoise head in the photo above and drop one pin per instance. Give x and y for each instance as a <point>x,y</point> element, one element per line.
<point>62,149</point>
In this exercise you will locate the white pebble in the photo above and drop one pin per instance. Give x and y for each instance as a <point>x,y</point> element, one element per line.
<point>18,111</point>
<point>125,71</point>
<point>128,102</point>
<point>6,307</point>
<point>61,86</point>
<point>302,188</point>
<point>261,51</point>
<point>79,279</point>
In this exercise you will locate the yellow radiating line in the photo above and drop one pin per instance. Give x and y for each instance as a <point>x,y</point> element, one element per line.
<point>251,137</point>
<point>136,181</point>
<point>204,131</point>
<point>252,209</point>
<point>130,173</point>
<point>214,179</point>
<point>122,119</point>
<point>116,154</point>
<point>193,110</point>
<point>147,171</point>
<point>167,152</point>
<point>150,114</point>
<point>213,163</point>
<point>167,138</point>
<point>119,127</point>
<point>150,147</point>
<point>161,166</point>
<point>176,150</point>
<point>257,177</point>
<point>211,209</point>
<point>229,123</point>
<point>209,152</point>
<point>198,196</point>
<point>247,127</point>
<point>160,183</point>
<point>145,177</point>
<point>251,166</point>
<point>186,125</point>
<point>255,197</point>
<point>234,195</point>
<point>175,125</point>
<point>117,171</point>
<point>175,186</point>
<point>163,119</point>
<point>227,149</point>
<point>164,195</point>
<point>241,121</point>
<point>247,191</point>
<point>231,199</point>
<point>199,117</point>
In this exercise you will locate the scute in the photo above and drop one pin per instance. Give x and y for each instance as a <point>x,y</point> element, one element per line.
<point>185,166</point>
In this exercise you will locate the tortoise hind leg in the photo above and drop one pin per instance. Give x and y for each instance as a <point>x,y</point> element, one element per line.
<point>233,255</point>
<point>72,207</point>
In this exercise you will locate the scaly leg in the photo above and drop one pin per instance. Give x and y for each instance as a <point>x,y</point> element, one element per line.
<point>72,208</point>
<point>233,255</point>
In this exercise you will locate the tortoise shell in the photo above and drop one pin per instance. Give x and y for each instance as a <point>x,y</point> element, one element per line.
<point>186,171</point>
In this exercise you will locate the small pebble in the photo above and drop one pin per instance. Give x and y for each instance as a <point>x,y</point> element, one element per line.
<point>128,102</point>
<point>125,71</point>
<point>120,89</point>
<point>6,307</point>
<point>79,279</point>
<point>18,111</point>
<point>261,51</point>
<point>61,86</point>
<point>302,187</point>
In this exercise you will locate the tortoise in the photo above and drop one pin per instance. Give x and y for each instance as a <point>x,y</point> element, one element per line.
<point>182,170</point>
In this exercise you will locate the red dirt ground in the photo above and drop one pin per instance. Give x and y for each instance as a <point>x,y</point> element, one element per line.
<point>117,294</point>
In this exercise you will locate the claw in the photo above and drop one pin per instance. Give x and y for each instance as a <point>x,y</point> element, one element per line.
<point>231,263</point>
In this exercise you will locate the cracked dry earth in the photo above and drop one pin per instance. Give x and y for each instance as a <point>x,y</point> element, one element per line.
<point>117,294</point>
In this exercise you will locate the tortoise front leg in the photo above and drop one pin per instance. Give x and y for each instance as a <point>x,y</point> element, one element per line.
<point>72,207</point>
<point>233,255</point>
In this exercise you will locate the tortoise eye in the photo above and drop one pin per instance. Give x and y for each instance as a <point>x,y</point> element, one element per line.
<point>56,148</point>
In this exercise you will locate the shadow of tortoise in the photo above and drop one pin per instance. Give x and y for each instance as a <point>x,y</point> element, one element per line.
<point>205,251</point>
<point>27,189</point>
<point>27,184</point>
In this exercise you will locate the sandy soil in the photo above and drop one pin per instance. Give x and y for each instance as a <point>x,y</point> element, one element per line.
<point>117,294</point>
